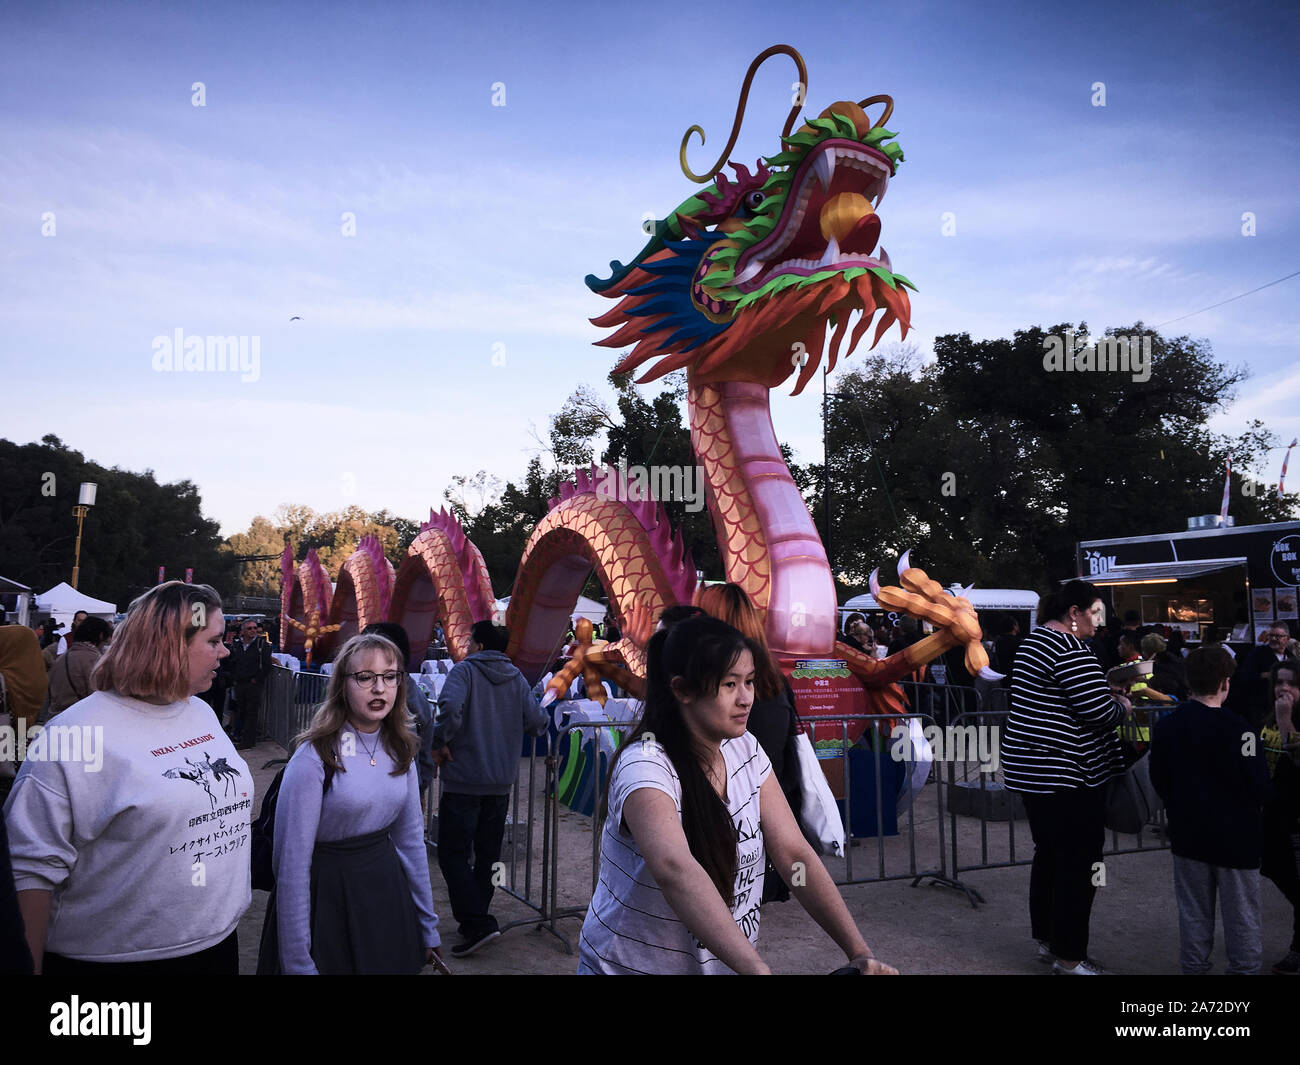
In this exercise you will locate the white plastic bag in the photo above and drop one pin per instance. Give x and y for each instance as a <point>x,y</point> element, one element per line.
<point>819,812</point>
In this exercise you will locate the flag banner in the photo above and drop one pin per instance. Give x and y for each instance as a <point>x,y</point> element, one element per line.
<point>1227,484</point>
<point>1281,481</point>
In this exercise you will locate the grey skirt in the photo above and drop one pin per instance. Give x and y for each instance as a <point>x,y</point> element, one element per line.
<point>363,918</point>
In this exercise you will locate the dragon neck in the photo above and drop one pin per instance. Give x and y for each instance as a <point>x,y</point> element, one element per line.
<point>768,542</point>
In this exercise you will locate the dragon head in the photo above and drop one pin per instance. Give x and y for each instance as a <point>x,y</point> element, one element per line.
<point>742,281</point>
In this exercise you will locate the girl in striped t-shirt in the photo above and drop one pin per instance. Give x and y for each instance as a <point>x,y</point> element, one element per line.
<point>692,809</point>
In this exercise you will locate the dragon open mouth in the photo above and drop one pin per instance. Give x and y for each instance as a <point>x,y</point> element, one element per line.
<point>830,222</point>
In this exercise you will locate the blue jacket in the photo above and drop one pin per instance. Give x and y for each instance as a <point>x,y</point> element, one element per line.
<point>483,712</point>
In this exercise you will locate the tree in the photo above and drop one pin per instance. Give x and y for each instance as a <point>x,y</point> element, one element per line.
<point>135,526</point>
<point>995,465</point>
<point>500,527</point>
<point>334,536</point>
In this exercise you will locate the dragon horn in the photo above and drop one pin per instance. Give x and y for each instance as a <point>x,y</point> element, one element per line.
<point>905,561</point>
<point>874,582</point>
<point>776,49</point>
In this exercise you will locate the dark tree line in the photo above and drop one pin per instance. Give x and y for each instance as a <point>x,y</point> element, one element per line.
<point>992,466</point>
<point>135,526</point>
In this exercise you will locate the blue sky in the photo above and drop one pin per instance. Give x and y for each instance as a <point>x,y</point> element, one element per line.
<point>475,224</point>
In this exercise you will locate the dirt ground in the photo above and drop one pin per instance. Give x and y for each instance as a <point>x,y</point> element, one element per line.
<point>924,929</point>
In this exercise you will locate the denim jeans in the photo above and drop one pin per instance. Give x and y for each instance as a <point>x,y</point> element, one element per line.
<point>471,824</point>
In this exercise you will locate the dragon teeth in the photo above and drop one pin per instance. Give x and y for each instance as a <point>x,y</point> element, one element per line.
<point>824,168</point>
<point>882,257</point>
<point>750,271</point>
<point>831,254</point>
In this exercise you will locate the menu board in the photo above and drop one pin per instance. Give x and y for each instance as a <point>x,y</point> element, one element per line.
<point>1261,607</point>
<point>1286,604</point>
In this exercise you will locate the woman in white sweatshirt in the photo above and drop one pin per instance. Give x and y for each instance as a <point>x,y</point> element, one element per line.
<point>129,820</point>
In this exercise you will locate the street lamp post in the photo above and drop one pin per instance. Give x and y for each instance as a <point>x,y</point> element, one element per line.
<point>85,500</point>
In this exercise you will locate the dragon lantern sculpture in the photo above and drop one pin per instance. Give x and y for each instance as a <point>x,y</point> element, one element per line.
<point>740,286</point>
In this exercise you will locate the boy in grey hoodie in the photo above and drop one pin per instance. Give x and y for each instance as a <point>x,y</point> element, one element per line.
<point>483,712</point>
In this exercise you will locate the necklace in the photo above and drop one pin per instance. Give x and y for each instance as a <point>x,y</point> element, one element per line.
<point>369,750</point>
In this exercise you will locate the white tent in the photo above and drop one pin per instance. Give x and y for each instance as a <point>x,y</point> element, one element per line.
<point>980,599</point>
<point>63,601</point>
<point>586,608</point>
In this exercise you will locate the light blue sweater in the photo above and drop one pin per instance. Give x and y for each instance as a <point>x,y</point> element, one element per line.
<point>361,800</point>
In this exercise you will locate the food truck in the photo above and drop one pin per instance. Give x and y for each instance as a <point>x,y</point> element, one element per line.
<point>1211,576</point>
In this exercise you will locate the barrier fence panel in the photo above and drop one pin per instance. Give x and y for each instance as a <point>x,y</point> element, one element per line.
<point>881,780</point>
<point>519,875</point>
<point>977,796</point>
<point>926,785</point>
<point>576,772</point>
<point>288,703</point>
<point>868,777</point>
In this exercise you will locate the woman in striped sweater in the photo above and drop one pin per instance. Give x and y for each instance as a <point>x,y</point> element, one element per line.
<point>1059,749</point>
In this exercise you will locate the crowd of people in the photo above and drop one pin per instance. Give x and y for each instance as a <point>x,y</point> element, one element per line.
<point>1231,811</point>
<point>700,808</point>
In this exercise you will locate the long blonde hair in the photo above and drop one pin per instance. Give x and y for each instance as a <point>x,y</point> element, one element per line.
<point>149,656</point>
<point>396,731</point>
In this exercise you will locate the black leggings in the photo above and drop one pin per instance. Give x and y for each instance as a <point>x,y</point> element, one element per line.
<point>1069,830</point>
<point>220,960</point>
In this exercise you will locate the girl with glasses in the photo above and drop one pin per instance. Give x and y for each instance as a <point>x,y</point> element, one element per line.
<point>352,892</point>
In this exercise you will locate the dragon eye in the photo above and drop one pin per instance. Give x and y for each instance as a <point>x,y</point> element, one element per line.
<point>754,200</point>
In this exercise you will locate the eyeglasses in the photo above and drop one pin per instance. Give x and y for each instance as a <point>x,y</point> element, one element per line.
<point>367,678</point>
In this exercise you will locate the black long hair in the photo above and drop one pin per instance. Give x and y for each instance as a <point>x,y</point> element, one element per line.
<point>698,652</point>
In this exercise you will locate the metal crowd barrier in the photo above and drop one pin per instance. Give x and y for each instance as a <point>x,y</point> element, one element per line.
<point>523,870</point>
<point>585,779</point>
<point>930,841</point>
<point>288,703</point>
<point>929,838</point>
<point>904,848</point>
<point>891,739</point>
<point>978,792</point>
<point>942,702</point>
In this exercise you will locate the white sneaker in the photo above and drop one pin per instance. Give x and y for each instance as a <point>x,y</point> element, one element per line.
<point>1084,968</point>
<point>1045,954</point>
